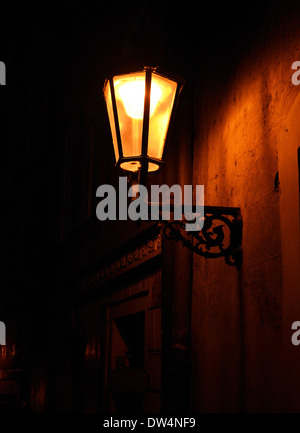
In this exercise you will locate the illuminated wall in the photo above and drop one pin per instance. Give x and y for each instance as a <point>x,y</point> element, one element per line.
<point>246,139</point>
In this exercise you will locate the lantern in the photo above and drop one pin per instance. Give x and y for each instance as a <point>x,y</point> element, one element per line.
<point>140,107</point>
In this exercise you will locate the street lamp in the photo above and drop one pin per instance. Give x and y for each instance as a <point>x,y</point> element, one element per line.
<point>141,108</point>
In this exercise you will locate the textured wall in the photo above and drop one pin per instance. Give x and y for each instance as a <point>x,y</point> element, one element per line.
<point>241,141</point>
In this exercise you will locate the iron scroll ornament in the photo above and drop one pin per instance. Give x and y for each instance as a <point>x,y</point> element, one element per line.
<point>221,234</point>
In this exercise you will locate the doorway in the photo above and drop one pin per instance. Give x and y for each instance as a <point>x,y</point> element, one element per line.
<point>134,362</point>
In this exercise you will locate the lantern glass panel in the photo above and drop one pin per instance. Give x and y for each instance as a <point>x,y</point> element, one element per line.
<point>160,114</point>
<point>107,95</point>
<point>130,95</point>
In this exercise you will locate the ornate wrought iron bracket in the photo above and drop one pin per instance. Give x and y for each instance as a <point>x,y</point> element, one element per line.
<point>221,234</point>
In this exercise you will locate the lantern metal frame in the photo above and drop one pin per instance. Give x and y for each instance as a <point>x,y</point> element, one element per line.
<point>140,175</point>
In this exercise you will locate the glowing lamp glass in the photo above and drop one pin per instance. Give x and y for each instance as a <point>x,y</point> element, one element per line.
<point>129,93</point>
